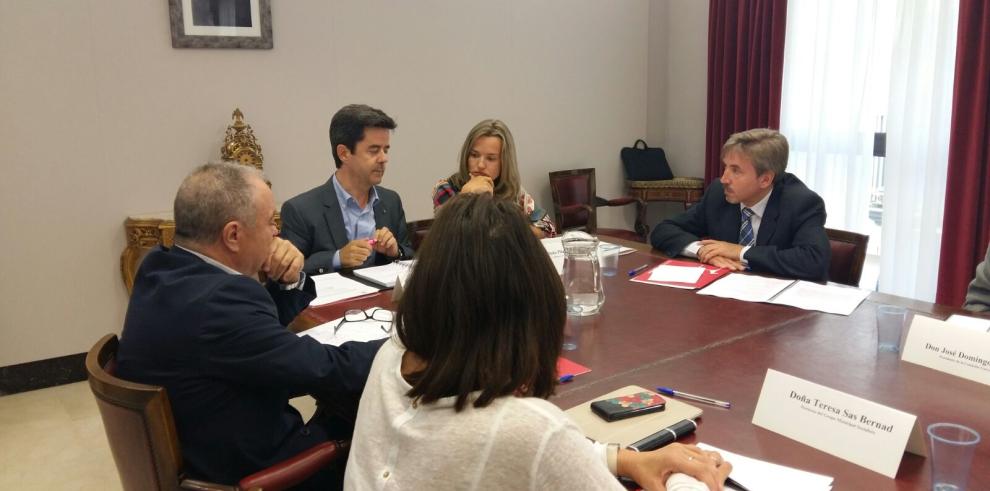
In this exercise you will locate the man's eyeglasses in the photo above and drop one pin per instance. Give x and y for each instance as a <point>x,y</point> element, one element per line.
<point>357,315</point>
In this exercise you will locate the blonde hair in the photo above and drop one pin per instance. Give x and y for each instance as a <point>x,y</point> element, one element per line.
<point>507,184</point>
<point>767,148</point>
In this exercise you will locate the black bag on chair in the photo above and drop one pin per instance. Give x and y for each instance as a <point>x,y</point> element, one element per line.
<point>645,164</point>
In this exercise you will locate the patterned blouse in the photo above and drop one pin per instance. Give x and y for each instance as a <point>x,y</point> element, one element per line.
<point>444,190</point>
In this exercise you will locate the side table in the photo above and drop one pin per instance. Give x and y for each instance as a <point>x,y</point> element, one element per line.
<point>687,190</point>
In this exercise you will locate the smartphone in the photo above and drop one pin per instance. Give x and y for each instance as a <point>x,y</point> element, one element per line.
<point>627,406</point>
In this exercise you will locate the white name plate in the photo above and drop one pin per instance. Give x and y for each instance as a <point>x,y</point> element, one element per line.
<point>851,428</point>
<point>948,348</point>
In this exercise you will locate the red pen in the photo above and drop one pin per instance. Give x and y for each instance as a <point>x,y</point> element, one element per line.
<point>372,242</point>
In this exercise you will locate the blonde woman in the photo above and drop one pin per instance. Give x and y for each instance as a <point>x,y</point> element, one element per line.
<point>488,165</point>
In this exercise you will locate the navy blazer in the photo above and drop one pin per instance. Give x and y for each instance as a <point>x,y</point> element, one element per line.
<point>217,343</point>
<point>314,223</point>
<point>791,242</point>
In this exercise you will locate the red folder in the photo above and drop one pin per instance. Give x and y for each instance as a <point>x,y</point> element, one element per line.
<point>568,367</point>
<point>710,274</point>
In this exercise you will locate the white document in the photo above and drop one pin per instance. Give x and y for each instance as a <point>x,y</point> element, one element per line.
<point>760,475</point>
<point>948,348</point>
<point>386,274</point>
<point>332,287</point>
<point>832,299</point>
<point>849,427</point>
<point>555,249</point>
<point>677,274</point>
<point>965,321</point>
<point>366,330</point>
<point>749,288</point>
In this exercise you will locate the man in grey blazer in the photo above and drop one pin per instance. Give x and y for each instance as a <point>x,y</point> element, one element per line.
<point>350,221</point>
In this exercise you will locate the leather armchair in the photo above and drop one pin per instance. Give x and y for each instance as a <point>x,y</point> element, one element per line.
<point>575,203</point>
<point>139,425</point>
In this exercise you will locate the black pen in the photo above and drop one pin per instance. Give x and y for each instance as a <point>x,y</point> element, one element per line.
<point>636,271</point>
<point>665,436</point>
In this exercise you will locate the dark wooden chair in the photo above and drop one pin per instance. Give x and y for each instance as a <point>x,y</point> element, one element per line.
<point>575,204</point>
<point>417,231</point>
<point>145,446</point>
<point>848,256</point>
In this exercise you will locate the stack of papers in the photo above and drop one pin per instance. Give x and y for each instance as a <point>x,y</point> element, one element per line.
<point>763,476</point>
<point>332,287</point>
<point>555,248</point>
<point>748,288</point>
<point>366,330</point>
<point>386,274</point>
<point>830,298</point>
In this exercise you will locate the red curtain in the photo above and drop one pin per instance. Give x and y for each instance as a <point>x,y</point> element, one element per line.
<point>966,225</point>
<point>745,69</point>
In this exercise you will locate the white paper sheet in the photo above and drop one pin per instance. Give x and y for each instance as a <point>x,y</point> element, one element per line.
<point>386,274</point>
<point>332,287</point>
<point>831,298</point>
<point>677,274</point>
<point>760,475</point>
<point>749,288</point>
<point>838,423</point>
<point>948,348</point>
<point>967,322</point>
<point>366,330</point>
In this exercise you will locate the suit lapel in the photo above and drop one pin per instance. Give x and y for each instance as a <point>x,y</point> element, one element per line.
<point>768,223</point>
<point>381,213</point>
<point>334,216</point>
<point>728,221</point>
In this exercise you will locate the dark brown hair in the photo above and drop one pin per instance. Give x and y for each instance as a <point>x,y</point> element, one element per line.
<point>484,306</point>
<point>347,126</point>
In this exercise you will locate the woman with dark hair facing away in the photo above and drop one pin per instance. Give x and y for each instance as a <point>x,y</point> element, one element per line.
<point>456,399</point>
<point>487,165</point>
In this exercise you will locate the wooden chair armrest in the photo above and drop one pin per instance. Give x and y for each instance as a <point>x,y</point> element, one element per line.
<point>295,470</point>
<point>623,201</point>
<point>195,485</point>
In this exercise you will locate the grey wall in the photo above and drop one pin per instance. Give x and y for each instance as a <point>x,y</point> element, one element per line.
<point>101,119</point>
<point>677,75</point>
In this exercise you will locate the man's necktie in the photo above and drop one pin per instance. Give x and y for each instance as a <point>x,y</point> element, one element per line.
<point>746,237</point>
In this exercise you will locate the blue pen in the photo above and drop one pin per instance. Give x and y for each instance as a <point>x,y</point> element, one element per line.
<point>636,271</point>
<point>684,395</point>
<point>567,377</point>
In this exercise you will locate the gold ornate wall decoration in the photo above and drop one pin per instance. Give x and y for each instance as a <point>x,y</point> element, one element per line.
<point>240,144</point>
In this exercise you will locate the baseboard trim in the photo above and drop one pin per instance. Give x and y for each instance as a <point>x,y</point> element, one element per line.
<point>42,373</point>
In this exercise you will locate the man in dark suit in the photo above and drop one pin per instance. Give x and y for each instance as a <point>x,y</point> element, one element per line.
<point>757,216</point>
<point>350,221</point>
<point>201,324</point>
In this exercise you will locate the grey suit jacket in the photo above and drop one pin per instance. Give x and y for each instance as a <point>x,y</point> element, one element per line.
<point>314,223</point>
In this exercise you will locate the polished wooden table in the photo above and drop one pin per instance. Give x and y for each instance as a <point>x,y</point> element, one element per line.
<point>651,335</point>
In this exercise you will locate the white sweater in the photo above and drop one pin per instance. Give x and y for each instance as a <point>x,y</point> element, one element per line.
<point>513,443</point>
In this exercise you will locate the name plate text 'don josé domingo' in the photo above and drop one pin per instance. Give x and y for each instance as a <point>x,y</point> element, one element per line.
<point>948,348</point>
<point>849,427</point>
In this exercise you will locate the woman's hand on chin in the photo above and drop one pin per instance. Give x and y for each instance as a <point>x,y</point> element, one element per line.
<point>480,185</point>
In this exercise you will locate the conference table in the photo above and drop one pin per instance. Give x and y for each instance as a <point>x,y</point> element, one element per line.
<point>651,335</point>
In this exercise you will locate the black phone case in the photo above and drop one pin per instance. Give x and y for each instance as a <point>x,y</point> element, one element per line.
<point>628,406</point>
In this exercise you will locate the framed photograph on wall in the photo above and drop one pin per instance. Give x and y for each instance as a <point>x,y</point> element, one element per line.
<point>221,23</point>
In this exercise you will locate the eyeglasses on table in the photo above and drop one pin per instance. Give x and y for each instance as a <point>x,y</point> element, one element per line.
<point>358,315</point>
